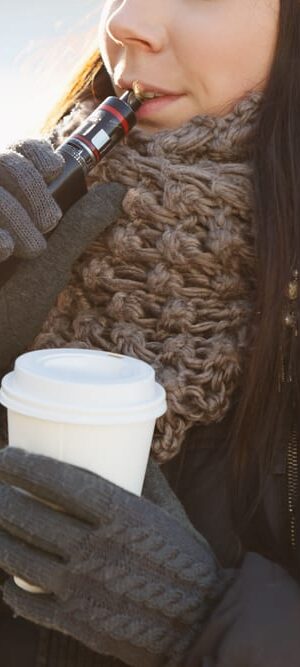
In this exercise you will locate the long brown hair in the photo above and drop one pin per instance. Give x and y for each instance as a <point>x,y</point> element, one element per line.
<point>263,411</point>
<point>263,415</point>
<point>89,83</point>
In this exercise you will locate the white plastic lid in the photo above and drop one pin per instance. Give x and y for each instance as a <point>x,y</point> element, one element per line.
<point>83,386</point>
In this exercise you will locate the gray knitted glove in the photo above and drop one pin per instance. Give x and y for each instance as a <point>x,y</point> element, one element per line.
<point>125,577</point>
<point>27,210</point>
<point>27,296</point>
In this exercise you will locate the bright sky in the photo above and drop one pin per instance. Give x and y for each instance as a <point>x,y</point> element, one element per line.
<point>41,43</point>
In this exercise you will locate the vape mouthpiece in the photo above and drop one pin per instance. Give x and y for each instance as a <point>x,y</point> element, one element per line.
<point>138,91</point>
<point>132,99</point>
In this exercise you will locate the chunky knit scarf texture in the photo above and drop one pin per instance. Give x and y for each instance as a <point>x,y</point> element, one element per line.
<point>172,281</point>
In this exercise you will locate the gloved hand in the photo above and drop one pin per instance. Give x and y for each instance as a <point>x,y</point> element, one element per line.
<point>257,623</point>
<point>124,576</point>
<point>27,209</point>
<point>30,291</point>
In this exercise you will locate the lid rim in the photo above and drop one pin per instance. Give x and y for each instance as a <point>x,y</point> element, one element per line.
<point>139,412</point>
<point>32,389</point>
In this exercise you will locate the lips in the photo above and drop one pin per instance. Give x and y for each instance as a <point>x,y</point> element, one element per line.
<point>153,106</point>
<point>144,87</point>
<point>156,106</point>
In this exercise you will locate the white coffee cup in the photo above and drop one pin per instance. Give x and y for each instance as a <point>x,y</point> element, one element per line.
<point>90,408</point>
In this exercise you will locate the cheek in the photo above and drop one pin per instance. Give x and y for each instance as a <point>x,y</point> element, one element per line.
<point>229,51</point>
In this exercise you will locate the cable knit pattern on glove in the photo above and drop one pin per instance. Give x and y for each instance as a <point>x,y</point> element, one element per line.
<point>172,281</point>
<point>128,578</point>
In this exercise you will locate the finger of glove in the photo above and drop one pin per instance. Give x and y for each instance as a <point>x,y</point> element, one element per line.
<point>19,176</point>
<point>70,488</point>
<point>157,490</point>
<point>7,244</point>
<point>40,152</point>
<point>40,609</point>
<point>88,496</point>
<point>26,518</point>
<point>45,610</point>
<point>27,241</point>
<point>32,565</point>
<point>126,634</point>
<point>146,530</point>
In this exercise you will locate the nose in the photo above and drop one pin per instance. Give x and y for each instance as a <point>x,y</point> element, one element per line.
<point>137,24</point>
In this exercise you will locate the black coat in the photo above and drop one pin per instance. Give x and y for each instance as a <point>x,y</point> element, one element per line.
<point>199,474</point>
<point>199,477</point>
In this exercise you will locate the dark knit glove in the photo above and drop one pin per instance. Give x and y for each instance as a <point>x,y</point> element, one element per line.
<point>32,289</point>
<point>256,624</point>
<point>27,209</point>
<point>124,576</point>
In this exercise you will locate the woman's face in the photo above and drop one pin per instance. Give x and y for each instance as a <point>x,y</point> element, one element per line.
<point>205,53</point>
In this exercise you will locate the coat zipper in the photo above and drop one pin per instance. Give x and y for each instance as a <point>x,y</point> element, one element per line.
<point>292,483</point>
<point>291,322</point>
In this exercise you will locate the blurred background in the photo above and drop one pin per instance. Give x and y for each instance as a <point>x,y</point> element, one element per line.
<point>41,44</point>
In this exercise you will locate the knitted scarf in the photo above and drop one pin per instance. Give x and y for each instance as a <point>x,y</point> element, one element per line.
<point>172,282</point>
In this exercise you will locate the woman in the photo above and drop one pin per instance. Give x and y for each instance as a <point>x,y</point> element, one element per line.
<point>198,276</point>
